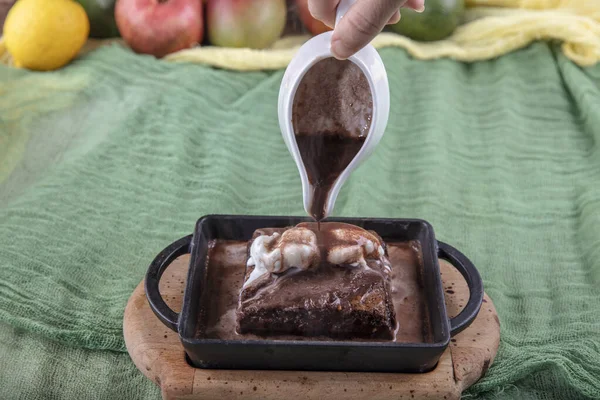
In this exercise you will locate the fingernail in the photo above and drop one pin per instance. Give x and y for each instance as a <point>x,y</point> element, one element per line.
<point>420,9</point>
<point>339,49</point>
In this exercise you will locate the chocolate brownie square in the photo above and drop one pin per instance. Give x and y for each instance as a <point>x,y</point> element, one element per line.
<point>337,289</point>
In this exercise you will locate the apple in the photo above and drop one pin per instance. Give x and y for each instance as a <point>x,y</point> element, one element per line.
<point>313,25</point>
<point>255,24</point>
<point>160,27</point>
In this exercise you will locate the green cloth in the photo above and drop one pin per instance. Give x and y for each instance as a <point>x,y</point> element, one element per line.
<point>110,159</point>
<point>34,368</point>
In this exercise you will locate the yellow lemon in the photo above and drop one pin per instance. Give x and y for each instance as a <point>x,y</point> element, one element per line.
<point>45,34</point>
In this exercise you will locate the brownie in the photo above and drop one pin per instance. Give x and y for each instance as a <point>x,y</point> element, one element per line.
<point>341,301</point>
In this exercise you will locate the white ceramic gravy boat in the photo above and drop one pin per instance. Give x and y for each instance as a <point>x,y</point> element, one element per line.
<point>369,61</point>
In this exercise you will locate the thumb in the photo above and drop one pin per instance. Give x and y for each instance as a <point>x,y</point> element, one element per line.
<point>363,21</point>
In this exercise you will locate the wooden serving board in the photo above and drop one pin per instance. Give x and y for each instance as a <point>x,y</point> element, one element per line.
<point>158,353</point>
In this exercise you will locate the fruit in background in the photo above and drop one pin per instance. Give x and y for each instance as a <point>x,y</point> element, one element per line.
<point>313,25</point>
<point>437,22</point>
<point>255,24</point>
<point>160,27</point>
<point>44,35</point>
<point>101,14</point>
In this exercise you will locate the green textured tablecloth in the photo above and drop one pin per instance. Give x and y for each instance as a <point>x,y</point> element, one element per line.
<point>105,162</point>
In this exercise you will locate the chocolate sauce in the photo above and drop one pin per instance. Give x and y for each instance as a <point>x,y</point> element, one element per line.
<point>226,270</point>
<point>331,116</point>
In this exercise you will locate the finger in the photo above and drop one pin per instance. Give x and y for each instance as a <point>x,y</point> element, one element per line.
<point>323,10</point>
<point>363,21</point>
<point>394,19</point>
<point>417,5</point>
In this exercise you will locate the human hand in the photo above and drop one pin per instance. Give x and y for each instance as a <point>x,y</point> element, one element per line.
<point>363,21</point>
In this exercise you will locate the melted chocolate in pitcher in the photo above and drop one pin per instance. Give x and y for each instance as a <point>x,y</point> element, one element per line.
<point>331,115</point>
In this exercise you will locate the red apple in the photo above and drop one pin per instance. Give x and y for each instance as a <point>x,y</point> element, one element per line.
<point>160,27</point>
<point>313,25</point>
<point>255,24</point>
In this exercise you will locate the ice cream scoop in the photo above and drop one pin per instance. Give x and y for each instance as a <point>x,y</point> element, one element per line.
<point>307,246</point>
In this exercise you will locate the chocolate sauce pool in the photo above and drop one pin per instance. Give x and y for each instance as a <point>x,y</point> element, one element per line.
<point>331,116</point>
<point>227,265</point>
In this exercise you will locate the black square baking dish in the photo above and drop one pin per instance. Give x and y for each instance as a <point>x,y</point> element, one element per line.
<point>307,354</point>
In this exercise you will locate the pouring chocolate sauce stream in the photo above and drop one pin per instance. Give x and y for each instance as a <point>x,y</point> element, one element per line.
<point>331,116</point>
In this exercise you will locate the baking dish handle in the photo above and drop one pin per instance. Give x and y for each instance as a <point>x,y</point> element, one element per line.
<point>471,275</point>
<point>155,270</point>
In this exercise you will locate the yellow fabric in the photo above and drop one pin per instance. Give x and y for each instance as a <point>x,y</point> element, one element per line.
<point>492,28</point>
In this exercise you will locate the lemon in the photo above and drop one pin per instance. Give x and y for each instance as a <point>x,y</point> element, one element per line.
<point>45,34</point>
